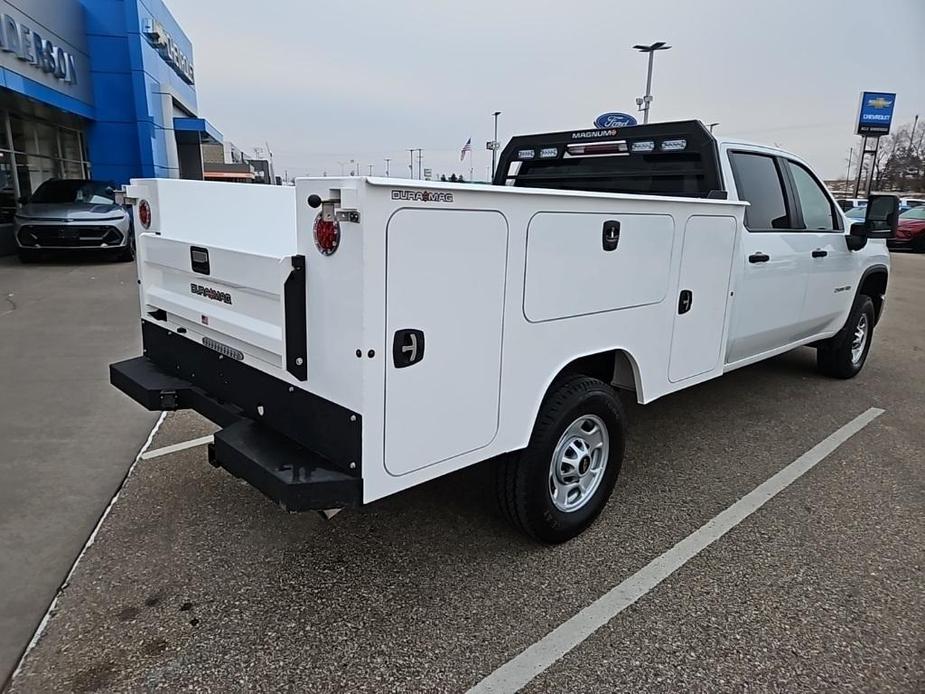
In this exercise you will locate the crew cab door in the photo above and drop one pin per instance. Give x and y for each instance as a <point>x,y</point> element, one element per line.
<point>833,269</point>
<point>773,260</point>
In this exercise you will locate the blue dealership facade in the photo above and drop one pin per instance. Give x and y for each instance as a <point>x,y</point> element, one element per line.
<point>95,88</point>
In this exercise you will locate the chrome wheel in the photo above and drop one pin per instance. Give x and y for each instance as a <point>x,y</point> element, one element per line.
<point>859,339</point>
<point>578,463</point>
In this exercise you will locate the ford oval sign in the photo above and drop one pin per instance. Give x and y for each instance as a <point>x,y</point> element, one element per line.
<point>614,120</point>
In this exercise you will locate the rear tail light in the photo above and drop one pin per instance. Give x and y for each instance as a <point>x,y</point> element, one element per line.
<point>144,214</point>
<point>327,235</point>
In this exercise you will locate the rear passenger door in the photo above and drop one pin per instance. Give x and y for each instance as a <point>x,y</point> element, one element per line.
<point>774,256</point>
<point>832,268</point>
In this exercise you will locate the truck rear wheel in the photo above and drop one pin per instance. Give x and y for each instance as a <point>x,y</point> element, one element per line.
<point>559,484</point>
<point>843,355</point>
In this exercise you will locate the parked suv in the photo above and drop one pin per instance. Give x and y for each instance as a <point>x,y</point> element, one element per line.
<point>71,214</point>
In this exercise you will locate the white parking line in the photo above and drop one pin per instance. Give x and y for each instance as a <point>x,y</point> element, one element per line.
<point>158,452</point>
<point>518,672</point>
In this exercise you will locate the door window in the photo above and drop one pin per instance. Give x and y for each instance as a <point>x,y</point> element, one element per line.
<point>759,182</point>
<point>815,205</point>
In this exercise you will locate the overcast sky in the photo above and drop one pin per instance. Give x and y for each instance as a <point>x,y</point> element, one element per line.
<point>326,82</point>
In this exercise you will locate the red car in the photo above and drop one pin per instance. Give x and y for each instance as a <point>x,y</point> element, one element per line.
<point>911,232</point>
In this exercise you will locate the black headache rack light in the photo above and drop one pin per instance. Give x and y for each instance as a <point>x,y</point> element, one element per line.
<point>678,159</point>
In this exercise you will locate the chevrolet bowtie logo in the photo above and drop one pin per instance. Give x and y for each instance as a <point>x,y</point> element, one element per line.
<point>879,102</point>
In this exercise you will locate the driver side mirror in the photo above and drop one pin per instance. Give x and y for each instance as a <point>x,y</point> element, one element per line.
<point>881,218</point>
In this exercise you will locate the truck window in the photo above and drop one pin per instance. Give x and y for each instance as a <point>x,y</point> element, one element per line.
<point>759,182</point>
<point>818,214</point>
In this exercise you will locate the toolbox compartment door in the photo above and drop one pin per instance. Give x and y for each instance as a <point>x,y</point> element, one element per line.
<point>700,316</point>
<point>445,282</point>
<point>572,271</point>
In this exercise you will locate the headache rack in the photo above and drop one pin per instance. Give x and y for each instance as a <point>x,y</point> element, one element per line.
<point>678,159</point>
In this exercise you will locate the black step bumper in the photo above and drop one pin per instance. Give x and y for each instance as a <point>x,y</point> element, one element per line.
<point>290,473</point>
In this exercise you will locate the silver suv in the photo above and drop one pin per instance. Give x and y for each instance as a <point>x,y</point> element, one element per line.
<point>71,214</point>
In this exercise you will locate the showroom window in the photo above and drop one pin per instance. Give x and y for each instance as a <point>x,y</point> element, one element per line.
<point>44,150</point>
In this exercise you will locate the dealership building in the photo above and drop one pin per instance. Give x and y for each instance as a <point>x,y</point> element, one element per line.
<point>94,88</point>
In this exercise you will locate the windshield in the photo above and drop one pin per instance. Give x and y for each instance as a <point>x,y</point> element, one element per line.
<point>914,213</point>
<point>74,190</point>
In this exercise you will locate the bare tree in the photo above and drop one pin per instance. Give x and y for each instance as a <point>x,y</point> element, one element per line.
<point>899,164</point>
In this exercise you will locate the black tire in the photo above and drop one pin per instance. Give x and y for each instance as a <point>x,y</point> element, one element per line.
<point>29,256</point>
<point>523,479</point>
<point>126,254</point>
<point>836,356</point>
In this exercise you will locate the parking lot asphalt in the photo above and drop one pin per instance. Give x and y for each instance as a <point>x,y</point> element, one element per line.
<point>196,582</point>
<point>66,438</point>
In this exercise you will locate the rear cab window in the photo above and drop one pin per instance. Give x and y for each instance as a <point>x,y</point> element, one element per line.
<point>760,182</point>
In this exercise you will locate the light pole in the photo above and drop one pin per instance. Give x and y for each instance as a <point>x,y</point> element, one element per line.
<point>387,167</point>
<point>711,126</point>
<point>646,102</point>
<point>411,162</point>
<point>848,172</point>
<point>494,146</point>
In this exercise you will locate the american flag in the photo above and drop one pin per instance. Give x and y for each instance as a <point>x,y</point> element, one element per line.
<point>466,148</point>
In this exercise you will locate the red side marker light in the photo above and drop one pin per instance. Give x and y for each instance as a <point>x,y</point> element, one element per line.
<point>327,235</point>
<point>144,214</point>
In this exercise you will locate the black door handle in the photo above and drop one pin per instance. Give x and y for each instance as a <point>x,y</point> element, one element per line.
<point>759,258</point>
<point>820,253</point>
<point>407,347</point>
<point>610,235</point>
<point>685,301</point>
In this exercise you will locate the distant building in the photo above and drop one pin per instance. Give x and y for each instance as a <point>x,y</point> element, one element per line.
<point>94,88</point>
<point>233,173</point>
<point>227,162</point>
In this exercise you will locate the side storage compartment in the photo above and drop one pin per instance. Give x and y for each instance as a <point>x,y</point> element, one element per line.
<point>582,263</point>
<point>703,294</point>
<point>444,316</point>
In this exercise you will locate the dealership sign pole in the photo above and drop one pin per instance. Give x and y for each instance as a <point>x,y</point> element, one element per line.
<point>875,115</point>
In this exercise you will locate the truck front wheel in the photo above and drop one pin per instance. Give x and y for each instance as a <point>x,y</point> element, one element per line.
<point>559,484</point>
<point>843,355</point>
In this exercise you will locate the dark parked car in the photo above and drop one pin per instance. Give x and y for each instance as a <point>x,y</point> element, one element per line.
<point>911,231</point>
<point>71,214</point>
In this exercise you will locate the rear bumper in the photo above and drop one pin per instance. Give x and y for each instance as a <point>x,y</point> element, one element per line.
<point>294,475</point>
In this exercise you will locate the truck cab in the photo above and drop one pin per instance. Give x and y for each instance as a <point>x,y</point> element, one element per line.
<point>797,269</point>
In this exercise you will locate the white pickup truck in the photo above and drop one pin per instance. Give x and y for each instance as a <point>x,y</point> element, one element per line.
<point>355,337</point>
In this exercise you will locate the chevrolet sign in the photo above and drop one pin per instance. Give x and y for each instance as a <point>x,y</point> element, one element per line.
<point>172,54</point>
<point>875,114</point>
